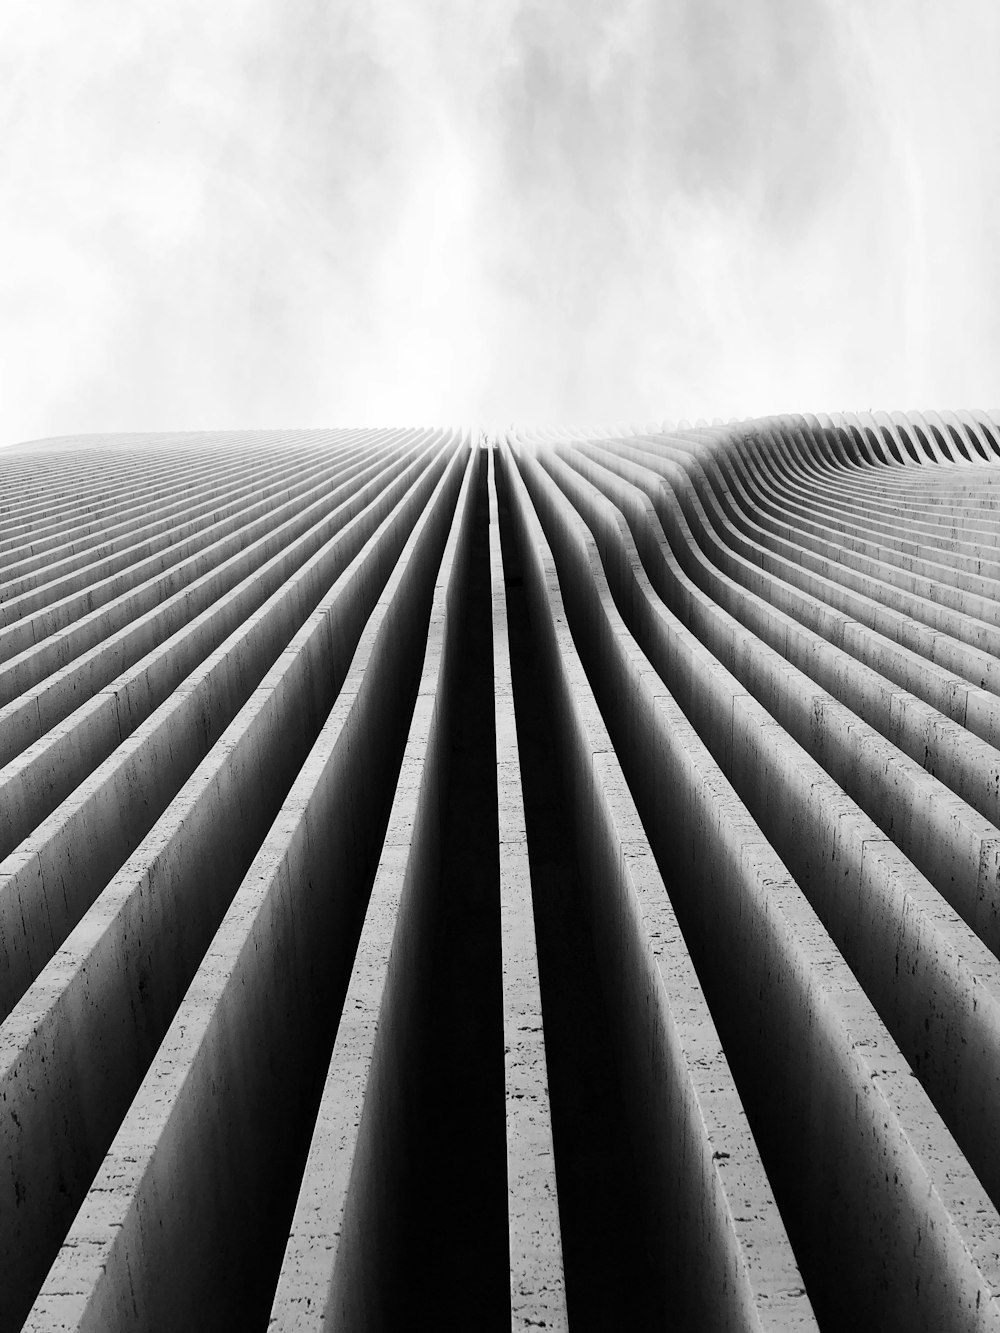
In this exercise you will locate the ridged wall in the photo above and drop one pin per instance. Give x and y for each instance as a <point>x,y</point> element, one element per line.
<point>542,880</point>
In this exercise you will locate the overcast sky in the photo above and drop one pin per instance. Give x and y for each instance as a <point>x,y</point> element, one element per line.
<point>271,213</point>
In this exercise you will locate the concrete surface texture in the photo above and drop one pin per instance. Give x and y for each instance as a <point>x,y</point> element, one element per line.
<point>469,881</point>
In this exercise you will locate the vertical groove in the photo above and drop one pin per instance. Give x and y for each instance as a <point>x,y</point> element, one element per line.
<point>546,881</point>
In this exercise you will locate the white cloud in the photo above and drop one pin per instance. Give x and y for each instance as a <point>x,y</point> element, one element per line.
<point>252,213</point>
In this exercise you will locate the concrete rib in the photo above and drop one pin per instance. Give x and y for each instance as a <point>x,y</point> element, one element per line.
<point>936,986</point>
<point>952,844</point>
<point>48,881</point>
<point>234,489</point>
<point>197,508</point>
<point>931,1191</point>
<point>931,577</point>
<point>901,684</point>
<point>64,1125</point>
<point>100,627</point>
<point>914,510</point>
<point>282,952</point>
<point>861,525</point>
<point>330,1276</point>
<point>537,1280</point>
<point>956,641</point>
<point>43,773</point>
<point>698,1143</point>
<point>31,624</point>
<point>875,602</point>
<point>548,880</point>
<point>127,480</point>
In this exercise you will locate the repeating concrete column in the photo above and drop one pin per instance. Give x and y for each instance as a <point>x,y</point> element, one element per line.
<point>543,880</point>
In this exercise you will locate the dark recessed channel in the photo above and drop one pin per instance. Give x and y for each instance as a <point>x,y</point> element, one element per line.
<point>611,1280</point>
<point>451,1267</point>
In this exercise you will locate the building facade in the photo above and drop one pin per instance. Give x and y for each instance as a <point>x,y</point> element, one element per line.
<point>547,880</point>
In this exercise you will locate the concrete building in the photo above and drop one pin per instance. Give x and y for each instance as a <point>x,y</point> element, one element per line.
<point>549,881</point>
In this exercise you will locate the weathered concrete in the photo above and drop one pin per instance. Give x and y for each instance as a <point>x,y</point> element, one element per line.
<point>480,888</point>
<point>913,583</point>
<point>277,965</point>
<point>50,879</point>
<point>896,535</point>
<point>332,1275</point>
<point>45,542</point>
<point>44,560</point>
<point>883,607</point>
<point>82,712</point>
<point>119,976</point>
<point>111,595</point>
<point>711,1214</point>
<point>882,1115</point>
<point>935,736</point>
<point>69,672</point>
<point>537,1281</point>
<point>952,844</point>
<point>936,986</point>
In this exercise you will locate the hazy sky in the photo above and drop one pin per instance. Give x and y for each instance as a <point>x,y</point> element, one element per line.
<point>266,212</point>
